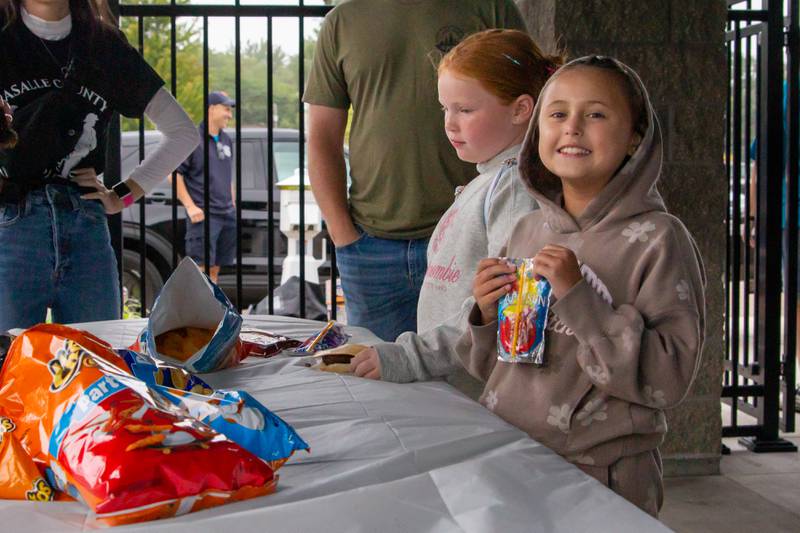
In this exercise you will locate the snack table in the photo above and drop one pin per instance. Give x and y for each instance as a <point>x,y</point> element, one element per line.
<point>384,458</point>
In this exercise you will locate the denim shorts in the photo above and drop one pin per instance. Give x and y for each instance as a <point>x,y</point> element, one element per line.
<point>381,281</point>
<point>56,253</point>
<point>221,246</point>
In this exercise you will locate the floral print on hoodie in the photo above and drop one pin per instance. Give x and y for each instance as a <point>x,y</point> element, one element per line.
<point>624,343</point>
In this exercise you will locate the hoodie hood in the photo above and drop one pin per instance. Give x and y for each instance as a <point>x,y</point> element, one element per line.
<point>630,192</point>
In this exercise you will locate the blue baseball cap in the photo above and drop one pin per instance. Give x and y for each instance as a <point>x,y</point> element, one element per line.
<point>220,98</point>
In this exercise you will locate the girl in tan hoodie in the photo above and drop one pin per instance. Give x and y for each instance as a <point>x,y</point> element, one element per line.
<point>626,322</point>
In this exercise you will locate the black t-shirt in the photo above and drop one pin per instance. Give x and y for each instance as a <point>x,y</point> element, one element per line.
<point>220,151</point>
<point>63,94</point>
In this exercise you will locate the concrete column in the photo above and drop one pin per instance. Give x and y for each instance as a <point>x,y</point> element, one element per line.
<point>677,47</point>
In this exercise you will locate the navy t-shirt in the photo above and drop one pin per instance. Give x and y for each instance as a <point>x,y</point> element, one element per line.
<point>220,167</point>
<point>63,95</point>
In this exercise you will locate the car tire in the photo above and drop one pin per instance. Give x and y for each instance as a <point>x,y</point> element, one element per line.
<point>131,279</point>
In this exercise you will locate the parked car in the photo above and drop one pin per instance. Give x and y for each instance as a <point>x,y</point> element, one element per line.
<point>160,239</point>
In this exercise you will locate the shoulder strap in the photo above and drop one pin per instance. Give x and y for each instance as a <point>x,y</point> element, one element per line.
<point>487,203</point>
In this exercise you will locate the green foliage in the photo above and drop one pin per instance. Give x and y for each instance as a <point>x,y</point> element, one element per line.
<point>222,71</point>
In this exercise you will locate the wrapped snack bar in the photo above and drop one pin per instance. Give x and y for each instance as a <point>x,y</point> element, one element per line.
<point>522,317</point>
<point>259,343</point>
<point>330,336</point>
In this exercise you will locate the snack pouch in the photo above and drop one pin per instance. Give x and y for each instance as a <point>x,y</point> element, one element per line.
<point>190,299</point>
<point>331,336</point>
<point>235,414</point>
<point>109,440</point>
<point>522,317</point>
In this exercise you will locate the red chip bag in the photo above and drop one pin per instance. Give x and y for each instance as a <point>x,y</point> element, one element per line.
<point>108,442</point>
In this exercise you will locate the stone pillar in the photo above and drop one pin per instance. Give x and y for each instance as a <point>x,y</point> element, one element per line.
<point>677,47</point>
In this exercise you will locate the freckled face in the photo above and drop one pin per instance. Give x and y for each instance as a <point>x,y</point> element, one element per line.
<point>478,124</point>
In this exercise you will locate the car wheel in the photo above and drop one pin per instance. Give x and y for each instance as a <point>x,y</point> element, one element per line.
<point>132,282</point>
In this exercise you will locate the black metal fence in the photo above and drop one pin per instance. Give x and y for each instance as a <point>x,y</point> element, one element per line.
<point>761,157</point>
<point>158,252</point>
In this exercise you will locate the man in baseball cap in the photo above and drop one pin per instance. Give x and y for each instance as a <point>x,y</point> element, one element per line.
<point>222,209</point>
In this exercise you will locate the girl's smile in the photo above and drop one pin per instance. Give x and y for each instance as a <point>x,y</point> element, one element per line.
<point>585,128</point>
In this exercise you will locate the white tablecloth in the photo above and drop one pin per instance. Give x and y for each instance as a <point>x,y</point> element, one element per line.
<point>384,458</point>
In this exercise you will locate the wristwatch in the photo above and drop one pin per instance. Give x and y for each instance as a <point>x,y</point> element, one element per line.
<point>124,193</point>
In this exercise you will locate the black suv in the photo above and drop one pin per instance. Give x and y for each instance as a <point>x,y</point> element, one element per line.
<point>159,237</point>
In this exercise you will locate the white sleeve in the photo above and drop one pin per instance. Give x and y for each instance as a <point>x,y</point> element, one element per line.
<point>179,138</point>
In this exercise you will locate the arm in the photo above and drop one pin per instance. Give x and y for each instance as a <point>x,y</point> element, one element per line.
<point>194,213</point>
<point>647,351</point>
<point>326,170</point>
<point>426,355</point>
<point>179,138</point>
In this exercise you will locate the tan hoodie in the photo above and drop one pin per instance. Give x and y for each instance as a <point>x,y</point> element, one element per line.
<point>624,343</point>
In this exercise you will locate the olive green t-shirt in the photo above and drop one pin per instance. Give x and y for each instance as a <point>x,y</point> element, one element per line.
<point>379,56</point>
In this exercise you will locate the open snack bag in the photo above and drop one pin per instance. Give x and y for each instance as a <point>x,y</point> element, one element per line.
<point>193,324</point>
<point>75,420</point>
<point>235,414</point>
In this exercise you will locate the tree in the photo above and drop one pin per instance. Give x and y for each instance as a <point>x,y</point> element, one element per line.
<point>189,54</point>
<point>253,74</point>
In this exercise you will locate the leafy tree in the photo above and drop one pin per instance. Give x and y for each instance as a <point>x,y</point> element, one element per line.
<point>189,53</point>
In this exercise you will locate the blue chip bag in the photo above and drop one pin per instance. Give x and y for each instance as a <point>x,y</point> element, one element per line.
<point>190,299</point>
<point>235,414</point>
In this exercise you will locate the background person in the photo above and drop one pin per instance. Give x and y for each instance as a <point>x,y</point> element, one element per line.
<point>65,70</point>
<point>376,56</point>
<point>222,207</point>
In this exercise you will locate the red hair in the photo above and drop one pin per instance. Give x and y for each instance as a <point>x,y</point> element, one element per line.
<point>507,63</point>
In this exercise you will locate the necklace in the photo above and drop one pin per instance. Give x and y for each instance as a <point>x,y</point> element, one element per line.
<point>62,68</point>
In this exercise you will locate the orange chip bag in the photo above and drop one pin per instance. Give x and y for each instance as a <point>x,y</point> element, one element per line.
<point>108,441</point>
<point>19,477</point>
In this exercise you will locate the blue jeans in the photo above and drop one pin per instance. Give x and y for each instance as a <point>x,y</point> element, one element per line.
<point>381,280</point>
<point>55,251</point>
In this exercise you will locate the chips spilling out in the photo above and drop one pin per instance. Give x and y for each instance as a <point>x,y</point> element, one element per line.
<point>235,414</point>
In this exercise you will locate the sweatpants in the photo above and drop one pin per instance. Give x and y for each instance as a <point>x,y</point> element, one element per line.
<point>637,478</point>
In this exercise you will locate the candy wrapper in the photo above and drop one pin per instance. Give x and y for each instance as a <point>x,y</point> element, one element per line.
<point>107,439</point>
<point>258,343</point>
<point>235,414</point>
<point>331,336</point>
<point>522,317</point>
<point>195,320</point>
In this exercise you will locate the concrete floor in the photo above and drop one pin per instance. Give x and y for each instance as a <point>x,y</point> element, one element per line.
<point>755,493</point>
